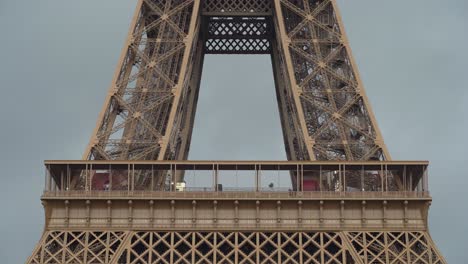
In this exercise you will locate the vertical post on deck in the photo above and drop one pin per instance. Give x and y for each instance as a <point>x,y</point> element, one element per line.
<point>386,177</point>
<point>62,178</point>
<point>213,180</point>
<point>301,177</point>
<point>86,178</point>
<point>344,177</point>
<point>173,178</point>
<point>152,177</point>
<point>340,181</point>
<point>133,177</point>
<point>320,178</point>
<point>298,179</point>
<point>405,180</point>
<point>256,178</point>
<point>91,175</point>
<point>68,177</point>
<point>382,186</point>
<point>259,177</point>
<point>362,178</point>
<point>110,177</point>
<point>128,177</point>
<point>216,177</point>
<point>411,181</point>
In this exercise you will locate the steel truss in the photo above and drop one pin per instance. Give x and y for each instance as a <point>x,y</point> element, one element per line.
<point>150,108</point>
<point>234,35</point>
<point>236,247</point>
<point>149,112</point>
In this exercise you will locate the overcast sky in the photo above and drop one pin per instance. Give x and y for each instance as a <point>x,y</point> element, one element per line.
<point>57,58</point>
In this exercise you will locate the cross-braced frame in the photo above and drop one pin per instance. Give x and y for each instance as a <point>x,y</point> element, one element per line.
<point>237,247</point>
<point>102,214</point>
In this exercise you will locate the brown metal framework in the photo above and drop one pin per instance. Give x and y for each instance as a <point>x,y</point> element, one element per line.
<point>149,112</point>
<point>127,202</point>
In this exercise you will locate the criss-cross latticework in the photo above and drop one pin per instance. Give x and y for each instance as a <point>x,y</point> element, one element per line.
<point>237,247</point>
<point>150,108</point>
<point>127,201</point>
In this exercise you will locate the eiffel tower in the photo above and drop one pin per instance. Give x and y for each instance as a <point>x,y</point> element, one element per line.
<point>127,201</point>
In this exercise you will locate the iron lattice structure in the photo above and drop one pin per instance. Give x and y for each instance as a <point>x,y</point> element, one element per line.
<point>114,209</point>
<point>236,247</point>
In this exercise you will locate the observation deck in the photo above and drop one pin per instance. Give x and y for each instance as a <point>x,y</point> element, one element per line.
<point>237,195</point>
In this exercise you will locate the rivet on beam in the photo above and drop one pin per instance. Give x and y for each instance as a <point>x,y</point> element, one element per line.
<point>363,212</point>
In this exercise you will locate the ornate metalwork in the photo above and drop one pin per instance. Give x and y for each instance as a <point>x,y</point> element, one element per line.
<point>107,215</point>
<point>236,247</point>
<point>238,35</point>
<point>150,108</point>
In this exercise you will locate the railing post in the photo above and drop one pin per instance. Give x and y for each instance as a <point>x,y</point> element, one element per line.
<point>173,178</point>
<point>382,185</point>
<point>110,177</point>
<point>405,183</point>
<point>152,177</point>
<point>386,177</point>
<point>90,177</point>
<point>340,180</point>
<point>62,178</point>
<point>133,177</point>
<point>344,177</point>
<point>68,177</point>
<point>298,178</point>
<point>320,179</point>
<point>128,177</point>
<point>216,177</point>
<point>256,179</point>
<point>362,178</point>
<point>86,178</point>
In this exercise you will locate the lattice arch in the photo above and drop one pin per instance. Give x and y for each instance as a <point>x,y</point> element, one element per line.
<point>77,247</point>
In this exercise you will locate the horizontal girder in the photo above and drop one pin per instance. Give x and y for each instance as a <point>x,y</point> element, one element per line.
<point>238,35</point>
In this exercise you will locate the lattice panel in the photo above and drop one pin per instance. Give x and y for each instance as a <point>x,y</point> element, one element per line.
<point>229,7</point>
<point>136,119</point>
<point>235,247</point>
<point>77,247</point>
<point>394,247</point>
<point>238,35</point>
<point>336,115</point>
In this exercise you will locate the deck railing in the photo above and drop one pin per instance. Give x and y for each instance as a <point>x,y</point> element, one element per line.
<point>309,178</point>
